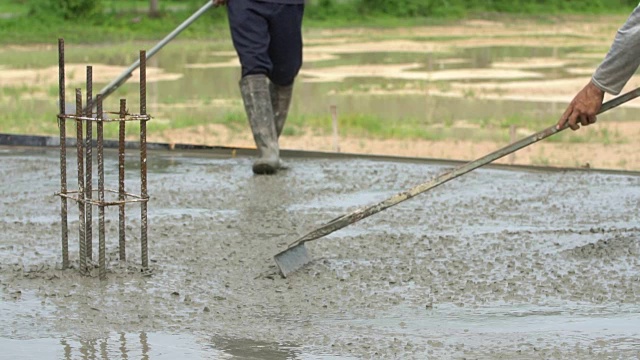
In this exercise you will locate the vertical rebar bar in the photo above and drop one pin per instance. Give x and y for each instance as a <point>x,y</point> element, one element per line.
<point>121,191</point>
<point>143,160</point>
<point>88,186</point>
<point>81,202</point>
<point>100,146</point>
<point>63,157</point>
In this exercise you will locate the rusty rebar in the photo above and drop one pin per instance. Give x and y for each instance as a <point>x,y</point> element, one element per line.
<point>63,156</point>
<point>129,198</point>
<point>100,146</point>
<point>84,150</point>
<point>81,203</point>
<point>121,191</point>
<point>88,186</point>
<point>143,160</point>
<point>129,117</point>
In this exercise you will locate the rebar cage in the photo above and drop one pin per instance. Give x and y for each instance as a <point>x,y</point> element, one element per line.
<point>84,195</point>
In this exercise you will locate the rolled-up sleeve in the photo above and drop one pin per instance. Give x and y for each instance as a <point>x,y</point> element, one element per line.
<point>623,57</point>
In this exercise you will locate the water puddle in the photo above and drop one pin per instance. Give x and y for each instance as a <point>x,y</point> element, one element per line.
<point>152,346</point>
<point>496,324</point>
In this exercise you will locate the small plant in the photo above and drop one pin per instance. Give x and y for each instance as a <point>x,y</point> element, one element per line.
<point>622,163</point>
<point>443,86</point>
<point>292,131</point>
<point>448,122</point>
<point>469,93</point>
<point>17,92</point>
<point>606,136</point>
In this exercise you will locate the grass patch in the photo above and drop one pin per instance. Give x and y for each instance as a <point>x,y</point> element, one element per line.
<point>17,92</point>
<point>13,7</point>
<point>592,134</point>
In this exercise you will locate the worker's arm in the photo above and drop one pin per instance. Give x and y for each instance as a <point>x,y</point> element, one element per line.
<point>621,62</point>
<point>623,58</point>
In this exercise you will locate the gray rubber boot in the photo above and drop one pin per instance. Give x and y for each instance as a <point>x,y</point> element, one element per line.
<point>280,101</point>
<point>257,104</point>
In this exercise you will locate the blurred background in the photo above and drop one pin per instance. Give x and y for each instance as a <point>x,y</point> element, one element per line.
<point>430,78</point>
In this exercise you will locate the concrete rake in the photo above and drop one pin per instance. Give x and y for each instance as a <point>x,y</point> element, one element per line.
<point>296,255</point>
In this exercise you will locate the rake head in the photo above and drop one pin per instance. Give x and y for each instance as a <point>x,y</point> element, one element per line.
<point>292,259</point>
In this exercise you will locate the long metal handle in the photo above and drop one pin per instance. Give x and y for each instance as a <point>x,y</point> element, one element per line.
<point>364,212</point>
<point>107,90</point>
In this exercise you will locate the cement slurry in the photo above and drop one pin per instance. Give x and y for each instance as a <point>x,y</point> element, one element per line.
<point>495,264</point>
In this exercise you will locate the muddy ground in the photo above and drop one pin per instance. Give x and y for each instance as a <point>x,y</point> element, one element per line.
<point>496,264</point>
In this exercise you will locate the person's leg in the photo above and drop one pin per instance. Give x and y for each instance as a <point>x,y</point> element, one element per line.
<point>280,101</point>
<point>257,103</point>
<point>250,34</point>
<point>249,29</point>
<point>285,52</point>
<point>285,45</point>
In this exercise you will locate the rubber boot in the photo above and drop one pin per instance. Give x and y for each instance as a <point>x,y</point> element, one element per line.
<point>257,104</point>
<point>280,101</point>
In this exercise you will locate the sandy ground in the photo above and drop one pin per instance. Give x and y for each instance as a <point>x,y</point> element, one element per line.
<point>75,74</point>
<point>494,265</point>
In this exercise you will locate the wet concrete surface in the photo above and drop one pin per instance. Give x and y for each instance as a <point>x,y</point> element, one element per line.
<point>495,264</point>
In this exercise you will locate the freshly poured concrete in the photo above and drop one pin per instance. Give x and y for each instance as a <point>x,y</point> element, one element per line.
<point>495,264</point>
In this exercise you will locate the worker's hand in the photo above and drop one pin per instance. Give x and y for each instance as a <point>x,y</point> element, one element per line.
<point>219,2</point>
<point>583,108</point>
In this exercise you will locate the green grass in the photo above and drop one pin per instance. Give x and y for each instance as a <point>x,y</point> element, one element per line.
<point>16,93</point>
<point>142,6</point>
<point>14,8</point>
<point>18,118</point>
<point>124,24</point>
<point>497,129</point>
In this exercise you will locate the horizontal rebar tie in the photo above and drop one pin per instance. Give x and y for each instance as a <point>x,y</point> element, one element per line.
<point>129,117</point>
<point>135,198</point>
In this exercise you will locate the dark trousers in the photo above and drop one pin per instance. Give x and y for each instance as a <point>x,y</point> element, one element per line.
<point>268,38</point>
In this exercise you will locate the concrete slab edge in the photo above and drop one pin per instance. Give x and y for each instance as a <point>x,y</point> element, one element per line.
<point>18,140</point>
